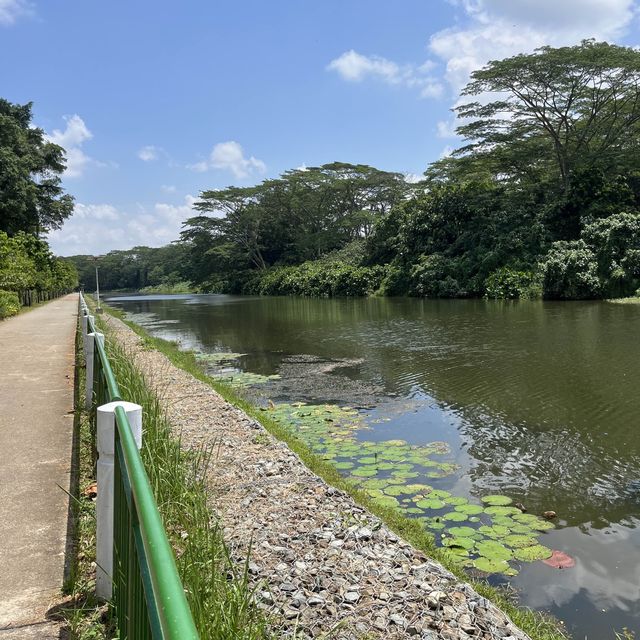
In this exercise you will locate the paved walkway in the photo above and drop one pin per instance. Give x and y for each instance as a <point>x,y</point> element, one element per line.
<point>36,426</point>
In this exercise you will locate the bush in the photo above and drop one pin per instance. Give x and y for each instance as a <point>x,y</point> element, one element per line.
<point>434,276</point>
<point>316,279</point>
<point>508,284</point>
<point>9,304</point>
<point>570,272</point>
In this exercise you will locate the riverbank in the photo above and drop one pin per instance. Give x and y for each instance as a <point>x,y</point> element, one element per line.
<point>319,560</point>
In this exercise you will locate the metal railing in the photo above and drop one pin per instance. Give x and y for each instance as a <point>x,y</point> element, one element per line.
<point>136,565</point>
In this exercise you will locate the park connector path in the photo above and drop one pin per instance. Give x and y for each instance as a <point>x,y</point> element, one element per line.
<point>37,354</point>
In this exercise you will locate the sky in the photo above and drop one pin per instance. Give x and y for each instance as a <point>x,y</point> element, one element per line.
<point>157,101</point>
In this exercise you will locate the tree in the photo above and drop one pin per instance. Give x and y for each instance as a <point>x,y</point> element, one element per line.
<point>582,103</point>
<point>31,198</point>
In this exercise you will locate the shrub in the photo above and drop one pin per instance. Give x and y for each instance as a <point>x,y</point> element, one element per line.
<point>509,284</point>
<point>434,277</point>
<point>570,272</point>
<point>316,279</point>
<point>9,304</point>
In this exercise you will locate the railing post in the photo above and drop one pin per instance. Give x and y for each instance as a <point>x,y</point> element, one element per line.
<point>106,426</point>
<point>89,360</point>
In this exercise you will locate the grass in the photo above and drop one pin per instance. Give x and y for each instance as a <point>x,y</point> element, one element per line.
<point>216,586</point>
<point>537,625</point>
<point>86,618</point>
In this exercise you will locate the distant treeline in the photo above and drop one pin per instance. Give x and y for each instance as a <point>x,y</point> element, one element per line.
<point>542,199</point>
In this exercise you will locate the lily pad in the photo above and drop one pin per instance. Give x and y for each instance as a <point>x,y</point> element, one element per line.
<point>455,501</point>
<point>494,550</point>
<point>518,541</point>
<point>532,553</point>
<point>495,531</point>
<point>365,471</point>
<point>462,542</point>
<point>498,501</point>
<point>489,565</point>
<point>463,532</point>
<point>396,490</point>
<point>454,516</point>
<point>431,503</point>
<point>469,509</point>
<point>386,501</point>
<point>343,465</point>
<point>560,560</point>
<point>501,511</point>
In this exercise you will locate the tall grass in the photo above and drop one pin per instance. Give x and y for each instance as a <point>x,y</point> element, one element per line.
<point>217,588</point>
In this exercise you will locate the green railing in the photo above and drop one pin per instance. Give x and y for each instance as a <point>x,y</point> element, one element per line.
<point>148,595</point>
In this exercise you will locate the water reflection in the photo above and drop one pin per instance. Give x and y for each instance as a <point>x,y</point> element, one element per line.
<point>539,401</point>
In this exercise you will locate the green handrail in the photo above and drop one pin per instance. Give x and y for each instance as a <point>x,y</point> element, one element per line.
<point>174,615</point>
<point>143,558</point>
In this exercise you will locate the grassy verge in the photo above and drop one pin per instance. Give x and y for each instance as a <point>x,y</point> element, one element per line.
<point>86,618</point>
<point>536,624</point>
<point>217,588</point>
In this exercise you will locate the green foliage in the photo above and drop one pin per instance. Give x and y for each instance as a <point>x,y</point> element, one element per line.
<point>31,198</point>
<point>569,271</point>
<point>543,198</point>
<point>508,284</point>
<point>9,304</point>
<point>26,263</point>
<point>615,242</point>
<point>317,279</point>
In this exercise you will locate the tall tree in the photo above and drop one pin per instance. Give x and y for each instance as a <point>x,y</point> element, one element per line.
<point>573,107</point>
<point>31,197</point>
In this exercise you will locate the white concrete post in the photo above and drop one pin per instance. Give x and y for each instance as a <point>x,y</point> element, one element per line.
<point>85,333</point>
<point>88,382</point>
<point>106,426</point>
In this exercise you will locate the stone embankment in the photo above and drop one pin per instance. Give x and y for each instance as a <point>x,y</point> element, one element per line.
<point>323,566</point>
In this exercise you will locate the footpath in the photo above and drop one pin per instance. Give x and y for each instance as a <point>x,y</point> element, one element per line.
<point>36,432</point>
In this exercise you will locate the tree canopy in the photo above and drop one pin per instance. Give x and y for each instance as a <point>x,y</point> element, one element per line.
<point>31,196</point>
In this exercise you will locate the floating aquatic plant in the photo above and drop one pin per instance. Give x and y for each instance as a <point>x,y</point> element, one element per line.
<point>487,536</point>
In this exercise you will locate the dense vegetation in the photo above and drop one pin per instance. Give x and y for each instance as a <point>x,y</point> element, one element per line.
<point>31,202</point>
<point>542,199</point>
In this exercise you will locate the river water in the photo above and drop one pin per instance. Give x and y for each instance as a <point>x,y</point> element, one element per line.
<point>538,401</point>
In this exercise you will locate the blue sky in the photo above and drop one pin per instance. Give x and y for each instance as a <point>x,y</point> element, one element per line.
<point>156,101</point>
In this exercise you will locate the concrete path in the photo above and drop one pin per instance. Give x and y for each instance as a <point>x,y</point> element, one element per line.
<point>36,428</point>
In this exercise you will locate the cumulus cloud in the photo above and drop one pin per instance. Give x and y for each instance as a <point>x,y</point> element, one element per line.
<point>148,153</point>
<point>500,28</point>
<point>99,228</point>
<point>74,135</point>
<point>229,156</point>
<point>355,67</point>
<point>11,10</point>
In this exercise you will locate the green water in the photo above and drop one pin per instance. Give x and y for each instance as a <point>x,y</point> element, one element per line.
<point>537,401</point>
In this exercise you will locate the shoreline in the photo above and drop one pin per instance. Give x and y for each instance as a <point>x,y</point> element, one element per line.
<point>299,540</point>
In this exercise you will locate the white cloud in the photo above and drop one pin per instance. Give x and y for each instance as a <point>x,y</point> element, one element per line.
<point>168,188</point>
<point>11,10</point>
<point>412,178</point>
<point>502,28</point>
<point>75,134</point>
<point>148,153</point>
<point>100,228</point>
<point>355,67</point>
<point>230,156</point>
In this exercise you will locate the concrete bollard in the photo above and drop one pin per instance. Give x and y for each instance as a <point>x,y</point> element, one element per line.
<point>91,338</point>
<point>106,426</point>
<point>85,333</point>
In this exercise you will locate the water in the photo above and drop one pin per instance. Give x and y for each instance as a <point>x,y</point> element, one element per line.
<point>538,400</point>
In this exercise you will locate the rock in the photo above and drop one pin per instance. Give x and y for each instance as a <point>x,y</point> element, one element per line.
<point>352,597</point>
